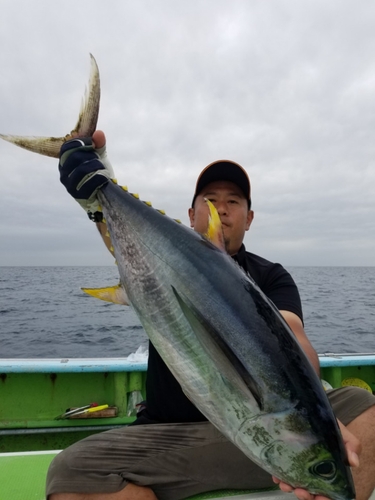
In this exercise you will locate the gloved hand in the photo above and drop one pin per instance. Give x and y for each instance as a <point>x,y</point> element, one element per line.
<point>83,171</point>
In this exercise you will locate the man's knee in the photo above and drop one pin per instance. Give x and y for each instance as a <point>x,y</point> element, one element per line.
<point>364,422</point>
<point>134,492</point>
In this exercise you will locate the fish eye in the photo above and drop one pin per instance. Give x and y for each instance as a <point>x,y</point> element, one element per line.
<point>326,469</point>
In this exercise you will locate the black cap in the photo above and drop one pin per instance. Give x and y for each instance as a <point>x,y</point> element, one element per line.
<point>224,170</point>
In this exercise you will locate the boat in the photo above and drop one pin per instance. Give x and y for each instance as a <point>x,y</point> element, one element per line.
<point>100,394</point>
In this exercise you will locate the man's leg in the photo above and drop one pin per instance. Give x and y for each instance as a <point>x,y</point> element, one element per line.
<point>166,461</point>
<point>130,492</point>
<point>363,427</point>
<point>355,408</point>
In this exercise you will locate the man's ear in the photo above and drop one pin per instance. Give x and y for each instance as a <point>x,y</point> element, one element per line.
<point>191,214</point>
<point>250,218</point>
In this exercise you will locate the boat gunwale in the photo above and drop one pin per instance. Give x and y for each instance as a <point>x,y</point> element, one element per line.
<point>87,365</point>
<point>70,365</point>
<point>347,359</point>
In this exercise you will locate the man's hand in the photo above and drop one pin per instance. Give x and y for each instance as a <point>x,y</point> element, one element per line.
<point>84,169</point>
<point>353,449</point>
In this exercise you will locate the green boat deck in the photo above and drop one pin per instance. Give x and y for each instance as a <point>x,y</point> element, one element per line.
<point>23,475</point>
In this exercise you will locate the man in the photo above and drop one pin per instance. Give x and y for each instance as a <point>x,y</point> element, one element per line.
<point>173,451</point>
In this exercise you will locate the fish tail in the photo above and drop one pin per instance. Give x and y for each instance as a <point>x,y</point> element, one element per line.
<point>85,127</point>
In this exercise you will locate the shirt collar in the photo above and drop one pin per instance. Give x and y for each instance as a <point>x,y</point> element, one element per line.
<point>240,256</point>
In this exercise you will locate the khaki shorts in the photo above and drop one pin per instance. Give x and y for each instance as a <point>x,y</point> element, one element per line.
<point>175,460</point>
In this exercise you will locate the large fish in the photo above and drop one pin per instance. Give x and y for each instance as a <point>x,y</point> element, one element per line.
<point>225,342</point>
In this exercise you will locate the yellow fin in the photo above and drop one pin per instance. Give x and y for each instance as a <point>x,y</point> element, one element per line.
<point>214,231</point>
<point>115,294</point>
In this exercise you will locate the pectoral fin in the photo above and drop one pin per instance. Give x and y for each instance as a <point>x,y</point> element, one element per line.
<point>115,294</point>
<point>214,231</point>
<point>227,361</point>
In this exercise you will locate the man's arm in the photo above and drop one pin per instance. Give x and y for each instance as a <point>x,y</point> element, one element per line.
<point>296,326</point>
<point>99,142</point>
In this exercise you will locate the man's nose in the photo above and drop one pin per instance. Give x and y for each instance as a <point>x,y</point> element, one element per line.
<point>221,207</point>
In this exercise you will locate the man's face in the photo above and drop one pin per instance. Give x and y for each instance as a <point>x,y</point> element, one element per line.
<point>232,208</point>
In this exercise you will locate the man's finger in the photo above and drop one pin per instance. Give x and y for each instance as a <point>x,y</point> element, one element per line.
<point>353,458</point>
<point>98,138</point>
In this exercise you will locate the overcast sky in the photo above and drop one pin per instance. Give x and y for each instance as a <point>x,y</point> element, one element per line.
<point>286,88</point>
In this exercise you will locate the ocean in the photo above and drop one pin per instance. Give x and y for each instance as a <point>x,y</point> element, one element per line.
<point>44,314</point>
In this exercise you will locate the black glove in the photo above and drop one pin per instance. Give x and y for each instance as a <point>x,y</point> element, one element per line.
<point>83,171</point>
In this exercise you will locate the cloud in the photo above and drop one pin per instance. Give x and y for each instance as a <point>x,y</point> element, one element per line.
<point>283,87</point>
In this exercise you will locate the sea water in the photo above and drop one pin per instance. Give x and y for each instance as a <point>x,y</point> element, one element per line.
<point>44,313</point>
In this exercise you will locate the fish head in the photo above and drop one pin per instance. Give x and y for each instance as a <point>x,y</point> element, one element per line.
<point>315,468</point>
<point>301,451</point>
